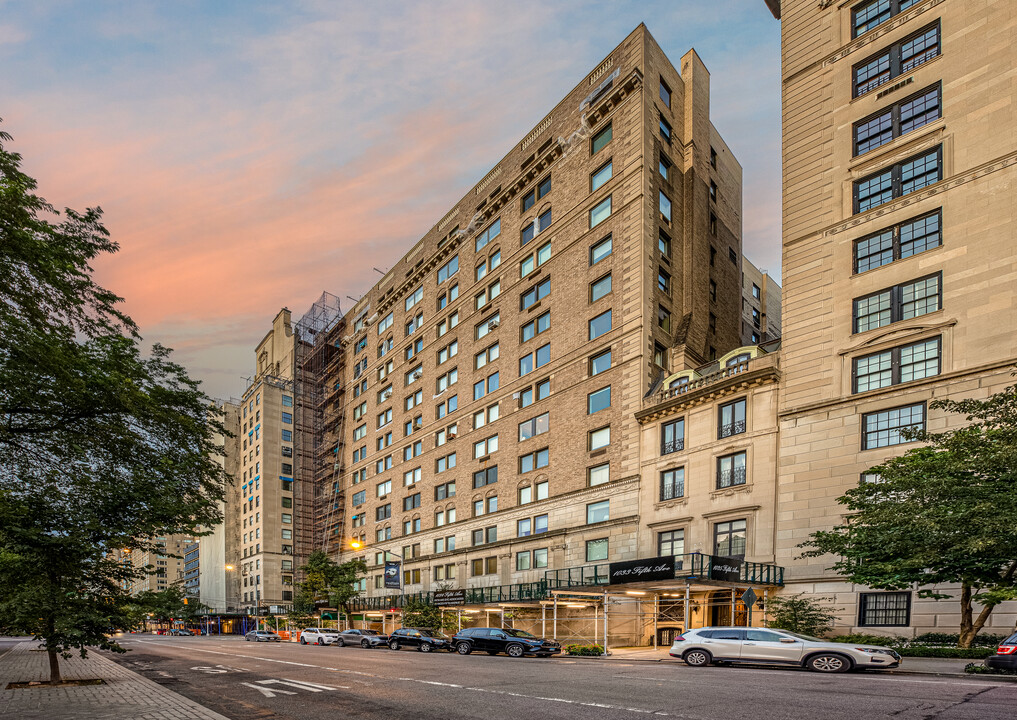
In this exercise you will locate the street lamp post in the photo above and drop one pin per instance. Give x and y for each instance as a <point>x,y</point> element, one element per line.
<point>357,545</point>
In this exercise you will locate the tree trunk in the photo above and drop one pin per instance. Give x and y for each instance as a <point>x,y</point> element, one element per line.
<point>54,667</point>
<point>970,626</point>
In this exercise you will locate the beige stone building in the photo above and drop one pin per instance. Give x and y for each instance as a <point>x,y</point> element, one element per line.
<point>164,566</point>
<point>900,162</point>
<point>495,372</point>
<point>265,481</point>
<point>761,304</point>
<point>219,552</point>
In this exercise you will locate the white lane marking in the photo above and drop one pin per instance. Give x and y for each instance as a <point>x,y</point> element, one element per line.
<point>268,693</point>
<point>302,685</point>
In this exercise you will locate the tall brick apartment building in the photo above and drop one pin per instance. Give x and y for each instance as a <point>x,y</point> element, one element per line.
<point>900,161</point>
<point>494,373</point>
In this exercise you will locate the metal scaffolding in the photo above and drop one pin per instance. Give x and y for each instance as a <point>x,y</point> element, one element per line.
<point>319,400</point>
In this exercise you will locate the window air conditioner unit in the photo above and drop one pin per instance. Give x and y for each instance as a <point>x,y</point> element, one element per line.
<point>451,436</point>
<point>417,424</point>
<point>416,376</point>
<point>493,324</point>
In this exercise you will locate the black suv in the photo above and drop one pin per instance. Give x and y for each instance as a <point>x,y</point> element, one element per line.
<point>424,639</point>
<point>515,643</point>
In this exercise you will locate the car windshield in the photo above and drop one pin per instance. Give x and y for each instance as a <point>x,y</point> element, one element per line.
<point>518,633</point>
<point>800,636</point>
<point>368,632</point>
<point>433,633</point>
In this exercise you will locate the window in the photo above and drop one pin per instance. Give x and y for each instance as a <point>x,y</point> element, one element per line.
<point>665,93</point>
<point>898,180</point>
<point>663,281</point>
<point>485,535</point>
<point>600,288</point>
<point>664,167</point>
<point>524,527</point>
<point>896,60</point>
<point>487,265</point>
<point>731,418</point>
<point>598,400</point>
<point>449,406</point>
<point>884,609</point>
<point>487,325</point>
<point>287,418</point>
<point>490,233</point>
<point>523,559</point>
<point>526,494</point>
<point>411,477</point>
<point>481,299</point>
<point>448,296</point>
<point>445,463</point>
<point>535,294</point>
<point>731,470</point>
<point>411,502</point>
<point>536,326</point>
<point>598,512</point>
<point>663,318</point>
<point>447,380</point>
<point>287,518</point>
<point>901,302</point>
<point>596,550</point>
<point>898,365</point>
<point>446,491</point>
<point>485,447</point>
<point>600,250</point>
<point>414,297</point>
<point>600,438</point>
<point>713,191</point>
<point>542,189</point>
<point>360,432</point>
<point>531,230</point>
<point>531,361</point>
<point>600,212</point>
<point>664,244</point>
<point>448,269</point>
<point>287,436</point>
<point>898,242</point>
<point>868,15</point>
<point>383,464</point>
<point>385,418</point>
<point>601,176</point>
<point>713,157</point>
<point>534,426</point>
<point>413,375</point>
<point>671,543</point>
<point>385,324</point>
<point>882,428</point>
<point>713,231</point>
<point>600,362</point>
<point>601,139</point>
<point>533,461</point>
<point>484,417</point>
<point>487,476</point>
<point>448,323</point>
<point>535,260</point>
<point>729,539</point>
<point>384,512</point>
<point>664,203</point>
<point>665,130</point>
<point>383,371</point>
<point>529,395</point>
<point>414,324</point>
<point>902,117</point>
<point>598,475</point>
<point>672,484</point>
<point>672,436</point>
<point>359,498</point>
<point>600,325</point>
<point>485,386</point>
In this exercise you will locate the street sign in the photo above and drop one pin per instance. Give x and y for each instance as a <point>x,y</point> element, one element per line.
<point>727,569</point>
<point>626,571</point>
<point>392,579</point>
<point>749,597</point>
<point>449,598</point>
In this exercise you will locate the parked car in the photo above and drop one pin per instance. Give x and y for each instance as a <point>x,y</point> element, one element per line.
<point>262,636</point>
<point>759,646</point>
<point>363,638</point>
<point>514,643</point>
<point>180,631</point>
<point>160,631</point>
<point>1006,655</point>
<point>319,636</point>
<point>424,639</point>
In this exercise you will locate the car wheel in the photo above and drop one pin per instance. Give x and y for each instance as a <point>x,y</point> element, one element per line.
<point>247,639</point>
<point>464,648</point>
<point>426,647</point>
<point>515,650</point>
<point>302,641</point>
<point>319,642</point>
<point>339,642</point>
<point>364,644</point>
<point>697,658</point>
<point>828,663</point>
<point>394,645</point>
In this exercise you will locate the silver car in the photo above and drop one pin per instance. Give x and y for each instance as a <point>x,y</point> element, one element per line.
<point>762,646</point>
<point>363,638</point>
<point>262,636</point>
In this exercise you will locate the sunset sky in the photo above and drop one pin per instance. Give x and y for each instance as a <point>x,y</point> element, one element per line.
<point>249,154</point>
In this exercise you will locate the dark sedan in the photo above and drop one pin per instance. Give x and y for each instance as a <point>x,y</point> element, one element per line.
<point>363,638</point>
<point>424,639</point>
<point>1006,655</point>
<point>512,642</point>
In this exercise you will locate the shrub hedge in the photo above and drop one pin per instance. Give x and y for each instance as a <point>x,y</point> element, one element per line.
<point>980,669</point>
<point>584,650</point>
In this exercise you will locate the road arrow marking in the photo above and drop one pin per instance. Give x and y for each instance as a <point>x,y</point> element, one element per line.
<point>268,693</point>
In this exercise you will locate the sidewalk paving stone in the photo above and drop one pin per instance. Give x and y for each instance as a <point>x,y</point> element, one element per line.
<point>124,694</point>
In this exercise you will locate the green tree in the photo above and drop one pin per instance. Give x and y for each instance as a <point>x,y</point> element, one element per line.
<point>800,614</point>
<point>417,613</point>
<point>102,446</point>
<point>939,514</point>
<point>164,605</point>
<point>327,580</point>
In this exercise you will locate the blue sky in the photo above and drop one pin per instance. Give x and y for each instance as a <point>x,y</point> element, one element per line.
<point>250,154</point>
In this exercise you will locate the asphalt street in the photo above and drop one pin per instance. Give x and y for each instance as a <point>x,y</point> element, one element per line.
<point>269,681</point>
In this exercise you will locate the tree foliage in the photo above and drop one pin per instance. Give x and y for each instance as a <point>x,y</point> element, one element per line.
<point>102,446</point>
<point>800,614</point>
<point>939,514</point>
<point>327,580</point>
<point>417,613</point>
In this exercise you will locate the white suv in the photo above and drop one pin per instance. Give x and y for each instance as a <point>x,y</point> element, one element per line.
<point>319,636</point>
<point>762,646</point>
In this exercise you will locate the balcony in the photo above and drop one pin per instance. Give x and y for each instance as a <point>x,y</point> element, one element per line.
<point>474,596</point>
<point>712,378</point>
<point>672,446</point>
<point>730,478</point>
<point>690,566</point>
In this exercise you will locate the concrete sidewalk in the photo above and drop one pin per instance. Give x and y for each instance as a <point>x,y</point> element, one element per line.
<point>923,666</point>
<point>123,694</point>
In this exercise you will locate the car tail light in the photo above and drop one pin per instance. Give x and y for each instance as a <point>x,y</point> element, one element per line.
<point>1006,649</point>
<point>679,638</point>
